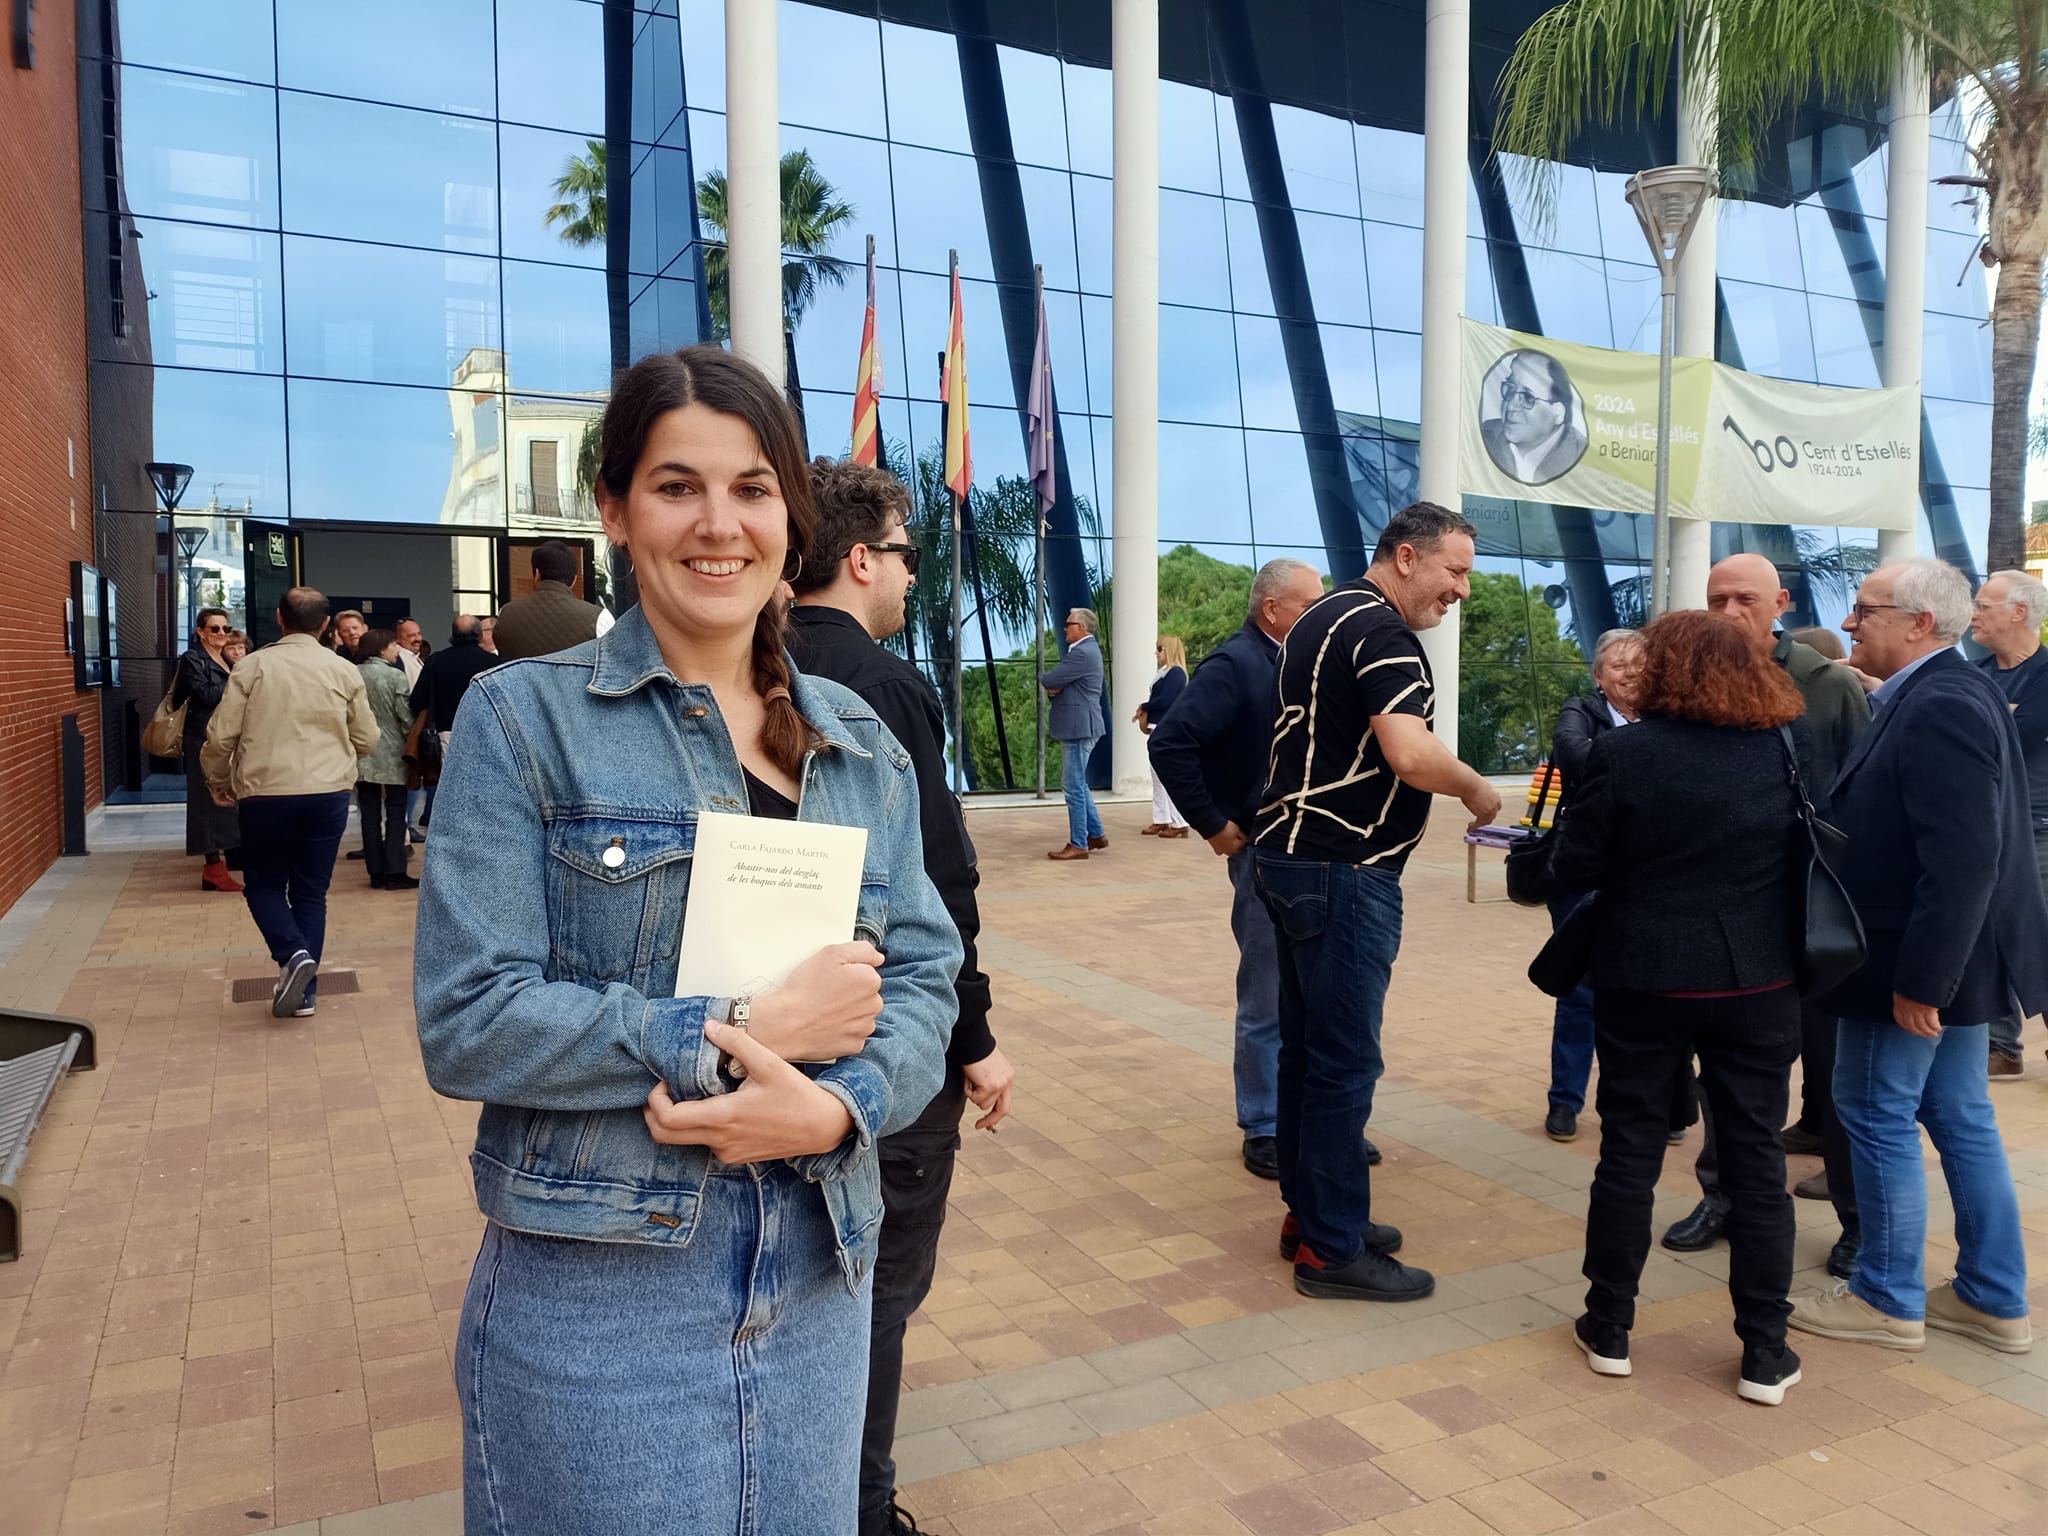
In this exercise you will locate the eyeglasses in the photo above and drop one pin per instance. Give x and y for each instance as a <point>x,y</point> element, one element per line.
<point>911,554</point>
<point>1980,606</point>
<point>1861,611</point>
<point>213,629</point>
<point>1513,394</point>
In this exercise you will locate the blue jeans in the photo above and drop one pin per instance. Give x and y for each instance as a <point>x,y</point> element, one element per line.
<point>717,1386</point>
<point>1338,928</point>
<point>1885,1081</point>
<point>1082,821</point>
<point>1257,1056</point>
<point>1571,1031</point>
<point>289,844</point>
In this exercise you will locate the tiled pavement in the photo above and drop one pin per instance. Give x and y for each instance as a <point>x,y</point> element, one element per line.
<point>248,1243</point>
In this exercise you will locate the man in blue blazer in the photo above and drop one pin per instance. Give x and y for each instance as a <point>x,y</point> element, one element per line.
<point>1075,722</point>
<point>1940,864</point>
<point>1211,753</point>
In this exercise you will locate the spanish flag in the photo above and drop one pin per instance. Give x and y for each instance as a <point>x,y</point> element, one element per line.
<point>868,388</point>
<point>953,391</point>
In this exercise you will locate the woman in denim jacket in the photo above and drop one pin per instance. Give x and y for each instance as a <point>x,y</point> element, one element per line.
<point>666,1328</point>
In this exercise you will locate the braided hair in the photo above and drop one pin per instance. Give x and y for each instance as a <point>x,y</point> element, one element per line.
<point>712,377</point>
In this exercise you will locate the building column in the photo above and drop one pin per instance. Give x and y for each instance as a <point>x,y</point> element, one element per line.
<point>1905,255</point>
<point>1134,379</point>
<point>1446,132</point>
<point>1692,539</point>
<point>753,174</point>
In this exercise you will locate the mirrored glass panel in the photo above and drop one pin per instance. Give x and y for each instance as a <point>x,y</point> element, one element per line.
<point>1196,382</point>
<point>381,453</point>
<point>365,172</point>
<point>229,37</point>
<point>832,70</point>
<point>703,24</point>
<point>1635,300</point>
<point>1283,499</point>
<point>1955,362</point>
<point>921,70</point>
<point>1090,126</point>
<point>543,438</point>
<point>938,209</point>
<point>1187,138</point>
<point>1842,350</point>
<point>1571,297</point>
<point>228,426</point>
<point>553,186</point>
<point>196,149</point>
<point>398,51</point>
<point>557,328</point>
<point>1962,431</point>
<point>1393,258</point>
<point>214,295</point>
<point>1333,250</point>
<point>1557,206</point>
<point>1202,484</point>
<point>856,172</point>
<point>1261,364</point>
<point>1389,174</point>
<point>1771,329</point>
<point>1038,120</point>
<point>385,314</point>
<point>551,64</point>
<point>1194,267</point>
<point>658,80</point>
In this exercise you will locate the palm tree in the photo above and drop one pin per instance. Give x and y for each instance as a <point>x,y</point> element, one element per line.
<point>581,186</point>
<point>812,214</point>
<point>1598,61</point>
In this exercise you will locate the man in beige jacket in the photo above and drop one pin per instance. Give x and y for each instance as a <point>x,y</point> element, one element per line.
<point>283,746</point>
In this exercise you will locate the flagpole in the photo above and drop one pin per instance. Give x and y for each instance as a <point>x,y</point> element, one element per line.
<point>1038,613</point>
<point>959,622</point>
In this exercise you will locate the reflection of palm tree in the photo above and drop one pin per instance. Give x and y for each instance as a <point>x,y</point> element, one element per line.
<point>812,215</point>
<point>581,186</point>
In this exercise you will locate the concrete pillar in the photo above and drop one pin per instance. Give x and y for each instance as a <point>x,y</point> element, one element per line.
<point>1905,253</point>
<point>1692,541</point>
<point>1446,133</point>
<point>1134,379</point>
<point>753,177</point>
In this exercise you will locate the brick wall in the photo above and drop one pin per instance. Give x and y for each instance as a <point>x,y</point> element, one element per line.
<point>46,503</point>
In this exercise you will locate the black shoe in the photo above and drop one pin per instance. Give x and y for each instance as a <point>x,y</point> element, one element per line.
<point>293,978</point>
<point>1800,1142</point>
<point>1842,1257</point>
<point>400,883</point>
<point>1369,1277</point>
<point>1700,1230</point>
<point>376,882</point>
<point>1766,1373</point>
<point>1262,1156</point>
<point>1372,1154</point>
<point>355,853</point>
<point>1605,1346</point>
<point>414,835</point>
<point>1379,1237</point>
<point>901,1522</point>
<point>1561,1124</point>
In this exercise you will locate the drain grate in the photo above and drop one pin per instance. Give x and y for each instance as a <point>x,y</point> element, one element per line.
<point>256,989</point>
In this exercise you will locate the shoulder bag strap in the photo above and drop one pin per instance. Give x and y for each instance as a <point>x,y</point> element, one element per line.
<point>1800,798</point>
<point>1543,797</point>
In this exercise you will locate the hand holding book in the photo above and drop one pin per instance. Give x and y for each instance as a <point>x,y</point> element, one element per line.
<point>827,1008</point>
<point>776,1111</point>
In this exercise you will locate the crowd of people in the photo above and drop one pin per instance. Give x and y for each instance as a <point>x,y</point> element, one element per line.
<point>709,1219</point>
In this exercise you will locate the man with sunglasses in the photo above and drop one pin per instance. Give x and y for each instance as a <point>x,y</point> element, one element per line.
<point>1533,438</point>
<point>851,592</point>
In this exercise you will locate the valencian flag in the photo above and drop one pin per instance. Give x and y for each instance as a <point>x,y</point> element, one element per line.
<point>953,391</point>
<point>867,389</point>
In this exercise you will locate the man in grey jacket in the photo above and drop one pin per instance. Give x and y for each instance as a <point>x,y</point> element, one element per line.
<point>1075,688</point>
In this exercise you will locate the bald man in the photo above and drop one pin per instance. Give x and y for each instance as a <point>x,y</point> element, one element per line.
<point>1746,590</point>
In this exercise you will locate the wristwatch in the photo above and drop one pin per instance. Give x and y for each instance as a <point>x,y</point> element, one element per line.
<point>738,1017</point>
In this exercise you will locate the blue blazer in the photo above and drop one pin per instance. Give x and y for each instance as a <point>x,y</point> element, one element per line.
<point>1076,713</point>
<point>1941,854</point>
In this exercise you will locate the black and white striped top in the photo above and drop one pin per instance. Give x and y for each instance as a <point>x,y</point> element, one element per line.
<point>1329,793</point>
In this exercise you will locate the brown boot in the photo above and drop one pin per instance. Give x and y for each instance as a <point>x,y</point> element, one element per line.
<point>1068,851</point>
<point>215,877</point>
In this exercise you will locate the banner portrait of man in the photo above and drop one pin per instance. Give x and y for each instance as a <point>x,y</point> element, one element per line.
<point>1530,417</point>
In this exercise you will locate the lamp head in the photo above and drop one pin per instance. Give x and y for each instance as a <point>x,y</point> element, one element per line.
<point>1667,200</point>
<point>190,541</point>
<point>170,481</point>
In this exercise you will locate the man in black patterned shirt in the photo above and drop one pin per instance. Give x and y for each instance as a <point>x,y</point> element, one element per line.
<point>1354,764</point>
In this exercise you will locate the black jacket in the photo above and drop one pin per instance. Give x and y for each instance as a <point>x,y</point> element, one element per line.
<point>1688,832</point>
<point>446,677</point>
<point>1837,712</point>
<point>1941,854</point>
<point>1580,722</point>
<point>832,644</point>
<point>1211,749</point>
<point>199,683</point>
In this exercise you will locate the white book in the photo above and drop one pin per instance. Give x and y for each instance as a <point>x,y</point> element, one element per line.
<point>765,895</point>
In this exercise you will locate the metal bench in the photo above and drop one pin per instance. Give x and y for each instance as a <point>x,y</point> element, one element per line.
<point>36,1050</point>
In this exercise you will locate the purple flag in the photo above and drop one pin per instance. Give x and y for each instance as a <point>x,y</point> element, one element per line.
<point>1038,412</point>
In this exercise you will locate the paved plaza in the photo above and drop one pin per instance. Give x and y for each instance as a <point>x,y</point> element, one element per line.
<point>247,1243</point>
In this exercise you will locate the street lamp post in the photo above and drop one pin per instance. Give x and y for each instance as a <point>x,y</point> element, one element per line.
<point>1667,201</point>
<point>190,541</point>
<point>170,481</point>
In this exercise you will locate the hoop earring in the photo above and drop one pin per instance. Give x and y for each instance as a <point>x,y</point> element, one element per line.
<point>789,574</point>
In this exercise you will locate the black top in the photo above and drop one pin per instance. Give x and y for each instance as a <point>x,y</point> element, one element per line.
<point>832,644</point>
<point>446,677</point>
<point>1330,794</point>
<point>1581,721</point>
<point>1211,752</point>
<point>198,686</point>
<point>2026,689</point>
<point>1690,834</point>
<point>764,799</point>
<point>1166,688</point>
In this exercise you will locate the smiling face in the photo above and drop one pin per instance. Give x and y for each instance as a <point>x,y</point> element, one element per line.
<point>409,635</point>
<point>706,524</point>
<point>349,629</point>
<point>1529,412</point>
<point>1619,673</point>
<point>1427,582</point>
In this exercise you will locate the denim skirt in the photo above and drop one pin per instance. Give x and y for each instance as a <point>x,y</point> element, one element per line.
<point>717,1387</point>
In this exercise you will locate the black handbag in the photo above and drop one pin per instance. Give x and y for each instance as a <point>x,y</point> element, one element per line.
<point>1561,965</point>
<point>1529,861</point>
<point>1833,946</point>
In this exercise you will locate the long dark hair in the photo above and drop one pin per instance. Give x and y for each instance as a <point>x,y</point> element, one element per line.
<point>712,377</point>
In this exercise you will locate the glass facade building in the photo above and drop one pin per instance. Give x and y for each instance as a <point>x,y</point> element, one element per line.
<point>369,269</point>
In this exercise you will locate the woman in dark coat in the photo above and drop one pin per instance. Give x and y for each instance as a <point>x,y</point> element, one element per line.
<point>210,830</point>
<point>1687,826</point>
<point>1170,682</point>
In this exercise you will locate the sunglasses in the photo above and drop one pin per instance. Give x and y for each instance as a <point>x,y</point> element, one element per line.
<point>911,554</point>
<point>214,629</point>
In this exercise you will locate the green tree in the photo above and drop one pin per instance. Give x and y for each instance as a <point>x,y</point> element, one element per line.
<point>812,215</point>
<point>1516,668</point>
<point>581,188</point>
<point>1754,61</point>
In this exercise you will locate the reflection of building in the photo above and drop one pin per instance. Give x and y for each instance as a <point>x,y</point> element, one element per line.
<point>539,436</point>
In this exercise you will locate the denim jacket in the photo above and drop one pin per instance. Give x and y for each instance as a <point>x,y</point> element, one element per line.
<point>543,975</point>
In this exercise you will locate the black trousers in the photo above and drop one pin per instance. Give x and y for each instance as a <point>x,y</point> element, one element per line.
<point>1746,1047</point>
<point>1817,1114</point>
<point>382,808</point>
<point>917,1175</point>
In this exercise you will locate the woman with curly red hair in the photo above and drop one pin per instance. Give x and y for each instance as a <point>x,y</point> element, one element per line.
<point>1686,825</point>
